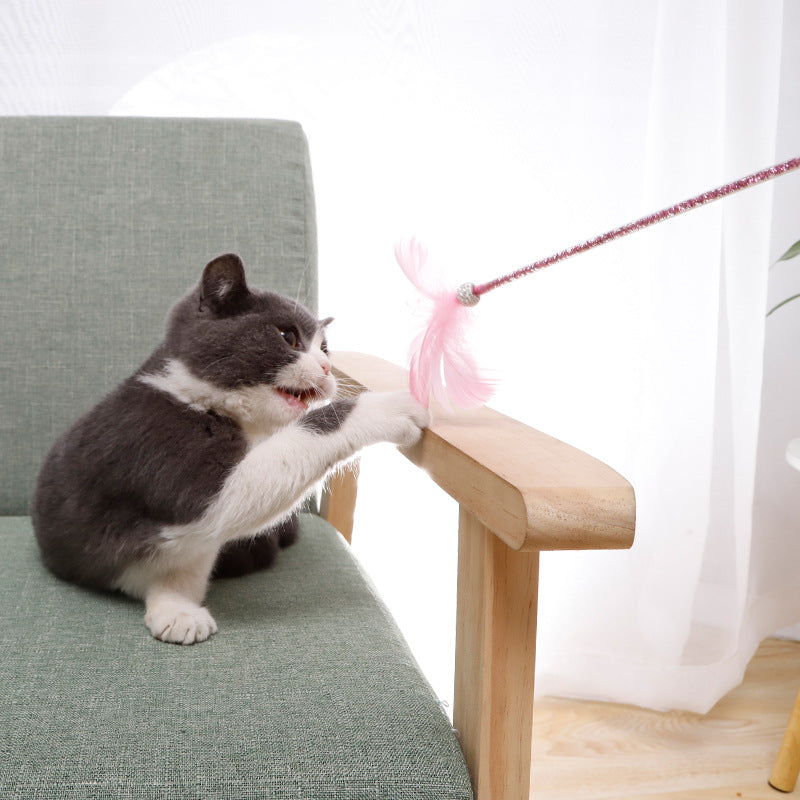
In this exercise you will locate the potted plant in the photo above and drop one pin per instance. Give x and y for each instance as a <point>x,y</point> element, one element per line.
<point>793,251</point>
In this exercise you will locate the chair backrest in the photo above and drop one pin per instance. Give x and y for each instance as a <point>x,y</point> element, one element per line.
<point>104,223</point>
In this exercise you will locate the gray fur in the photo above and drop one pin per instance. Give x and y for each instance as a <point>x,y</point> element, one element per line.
<point>328,418</point>
<point>226,334</point>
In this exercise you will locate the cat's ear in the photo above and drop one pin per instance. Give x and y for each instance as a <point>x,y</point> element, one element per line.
<point>223,288</point>
<point>323,323</point>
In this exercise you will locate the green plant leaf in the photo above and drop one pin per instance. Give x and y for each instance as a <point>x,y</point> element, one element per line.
<point>787,300</point>
<point>793,251</point>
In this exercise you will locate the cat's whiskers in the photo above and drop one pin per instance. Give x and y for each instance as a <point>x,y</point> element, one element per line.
<point>299,289</point>
<point>349,386</point>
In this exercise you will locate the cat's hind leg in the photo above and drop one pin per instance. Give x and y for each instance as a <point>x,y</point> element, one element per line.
<point>243,556</point>
<point>288,531</point>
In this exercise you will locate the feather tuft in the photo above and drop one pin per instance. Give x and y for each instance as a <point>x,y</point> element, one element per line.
<point>441,365</point>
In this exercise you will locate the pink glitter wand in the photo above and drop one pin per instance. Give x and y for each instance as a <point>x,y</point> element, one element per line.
<point>441,365</point>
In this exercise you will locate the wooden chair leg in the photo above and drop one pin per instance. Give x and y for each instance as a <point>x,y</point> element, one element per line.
<point>339,499</point>
<point>787,765</point>
<point>495,654</point>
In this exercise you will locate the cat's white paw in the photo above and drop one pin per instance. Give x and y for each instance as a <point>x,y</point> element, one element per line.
<point>178,621</point>
<point>397,416</point>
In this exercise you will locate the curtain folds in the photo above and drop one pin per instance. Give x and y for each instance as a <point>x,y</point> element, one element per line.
<point>501,132</point>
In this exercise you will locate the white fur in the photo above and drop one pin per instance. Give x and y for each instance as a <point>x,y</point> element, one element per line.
<point>173,583</point>
<point>284,461</point>
<point>277,472</point>
<point>172,617</point>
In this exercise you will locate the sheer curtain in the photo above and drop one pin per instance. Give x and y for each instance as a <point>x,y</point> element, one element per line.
<point>501,132</point>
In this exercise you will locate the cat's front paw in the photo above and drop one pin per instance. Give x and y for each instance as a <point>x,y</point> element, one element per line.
<point>178,621</point>
<point>398,417</point>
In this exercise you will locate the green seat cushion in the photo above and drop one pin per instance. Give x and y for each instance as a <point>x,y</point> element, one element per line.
<point>307,691</point>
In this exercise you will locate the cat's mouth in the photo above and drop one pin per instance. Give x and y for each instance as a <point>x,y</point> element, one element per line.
<point>298,398</point>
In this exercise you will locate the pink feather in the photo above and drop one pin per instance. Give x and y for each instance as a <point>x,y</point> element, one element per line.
<point>441,365</point>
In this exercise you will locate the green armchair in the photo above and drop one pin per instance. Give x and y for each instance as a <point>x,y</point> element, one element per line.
<point>309,690</point>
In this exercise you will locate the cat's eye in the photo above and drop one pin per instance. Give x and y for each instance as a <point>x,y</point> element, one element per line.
<point>290,337</point>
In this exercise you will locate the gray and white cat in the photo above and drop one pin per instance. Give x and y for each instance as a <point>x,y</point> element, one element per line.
<point>218,436</point>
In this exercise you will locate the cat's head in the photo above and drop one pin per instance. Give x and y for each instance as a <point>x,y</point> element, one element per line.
<point>256,356</point>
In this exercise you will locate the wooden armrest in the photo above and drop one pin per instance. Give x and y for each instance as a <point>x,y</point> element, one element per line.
<point>531,490</point>
<point>516,487</point>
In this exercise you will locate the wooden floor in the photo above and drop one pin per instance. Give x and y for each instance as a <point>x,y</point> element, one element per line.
<point>585,750</point>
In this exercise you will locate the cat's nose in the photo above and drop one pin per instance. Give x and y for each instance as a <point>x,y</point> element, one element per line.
<point>326,367</point>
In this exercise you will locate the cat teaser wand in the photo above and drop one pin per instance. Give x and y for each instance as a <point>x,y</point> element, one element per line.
<point>441,366</point>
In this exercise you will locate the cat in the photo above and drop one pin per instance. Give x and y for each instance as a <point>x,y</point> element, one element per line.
<point>218,436</point>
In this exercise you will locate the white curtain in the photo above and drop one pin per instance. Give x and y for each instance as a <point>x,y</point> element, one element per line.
<point>500,132</point>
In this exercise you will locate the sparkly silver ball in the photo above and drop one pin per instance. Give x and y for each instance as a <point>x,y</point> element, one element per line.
<point>466,294</point>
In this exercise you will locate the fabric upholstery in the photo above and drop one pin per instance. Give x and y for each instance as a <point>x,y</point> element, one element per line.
<point>104,223</point>
<point>307,691</point>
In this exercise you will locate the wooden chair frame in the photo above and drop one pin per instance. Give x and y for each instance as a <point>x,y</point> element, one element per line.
<point>519,492</point>
<point>787,763</point>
